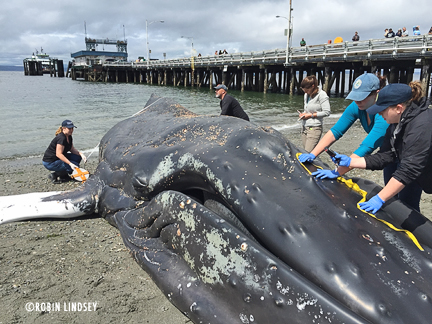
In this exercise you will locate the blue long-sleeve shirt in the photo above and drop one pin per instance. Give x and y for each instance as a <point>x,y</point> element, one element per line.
<point>376,129</point>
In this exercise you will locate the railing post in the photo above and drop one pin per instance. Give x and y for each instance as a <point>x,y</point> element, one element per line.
<point>345,50</point>
<point>370,47</point>
<point>395,46</point>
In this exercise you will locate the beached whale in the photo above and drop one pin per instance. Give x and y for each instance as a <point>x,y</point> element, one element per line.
<point>233,229</point>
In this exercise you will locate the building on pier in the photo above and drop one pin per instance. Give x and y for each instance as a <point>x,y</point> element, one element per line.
<point>335,65</point>
<point>88,64</point>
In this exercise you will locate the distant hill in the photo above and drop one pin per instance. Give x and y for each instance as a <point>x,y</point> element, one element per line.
<point>11,68</point>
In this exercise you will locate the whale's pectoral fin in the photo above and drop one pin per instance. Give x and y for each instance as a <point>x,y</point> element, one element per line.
<point>67,204</point>
<point>214,273</point>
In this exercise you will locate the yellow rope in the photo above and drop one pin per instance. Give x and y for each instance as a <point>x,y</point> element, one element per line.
<point>355,187</point>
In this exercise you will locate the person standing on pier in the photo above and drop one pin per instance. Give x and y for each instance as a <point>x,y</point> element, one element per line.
<point>302,42</point>
<point>61,156</point>
<point>390,33</point>
<point>229,105</point>
<point>356,37</point>
<point>316,107</point>
<point>363,94</point>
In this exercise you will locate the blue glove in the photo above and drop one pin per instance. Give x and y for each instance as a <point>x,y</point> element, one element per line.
<point>323,174</point>
<point>306,157</point>
<point>373,205</point>
<point>342,160</point>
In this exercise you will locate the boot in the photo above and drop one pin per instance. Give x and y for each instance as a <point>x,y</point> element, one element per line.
<point>64,177</point>
<point>54,177</point>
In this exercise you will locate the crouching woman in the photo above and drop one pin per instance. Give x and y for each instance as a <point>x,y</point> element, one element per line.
<point>61,156</point>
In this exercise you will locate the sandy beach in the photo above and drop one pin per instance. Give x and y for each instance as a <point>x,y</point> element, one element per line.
<point>83,263</point>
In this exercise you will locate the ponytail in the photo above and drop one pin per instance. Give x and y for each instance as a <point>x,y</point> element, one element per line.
<point>417,90</point>
<point>59,130</point>
<point>382,80</point>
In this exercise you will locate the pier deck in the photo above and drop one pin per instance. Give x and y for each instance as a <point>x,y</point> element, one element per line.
<point>268,70</point>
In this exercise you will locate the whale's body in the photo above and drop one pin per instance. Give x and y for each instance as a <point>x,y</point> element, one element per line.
<point>233,229</point>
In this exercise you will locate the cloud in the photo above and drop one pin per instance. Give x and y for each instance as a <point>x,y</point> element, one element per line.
<point>238,26</point>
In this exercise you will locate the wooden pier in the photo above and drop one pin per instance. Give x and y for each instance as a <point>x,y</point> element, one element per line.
<point>34,67</point>
<point>56,68</point>
<point>335,65</point>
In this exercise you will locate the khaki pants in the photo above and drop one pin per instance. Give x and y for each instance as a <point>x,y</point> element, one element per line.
<point>311,137</point>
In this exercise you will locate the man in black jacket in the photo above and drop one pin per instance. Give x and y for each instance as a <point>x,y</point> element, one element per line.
<point>229,106</point>
<point>408,142</point>
<point>390,33</point>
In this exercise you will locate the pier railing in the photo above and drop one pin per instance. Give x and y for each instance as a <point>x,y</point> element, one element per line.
<point>411,47</point>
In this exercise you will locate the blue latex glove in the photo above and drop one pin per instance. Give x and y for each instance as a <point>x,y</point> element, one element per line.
<point>326,174</point>
<point>373,205</point>
<point>306,157</point>
<point>342,160</point>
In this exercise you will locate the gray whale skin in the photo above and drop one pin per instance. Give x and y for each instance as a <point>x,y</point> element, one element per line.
<point>233,229</point>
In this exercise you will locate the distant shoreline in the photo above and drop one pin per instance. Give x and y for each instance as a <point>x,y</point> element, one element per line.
<point>11,68</point>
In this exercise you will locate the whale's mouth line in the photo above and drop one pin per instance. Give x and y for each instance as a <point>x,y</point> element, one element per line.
<point>209,199</point>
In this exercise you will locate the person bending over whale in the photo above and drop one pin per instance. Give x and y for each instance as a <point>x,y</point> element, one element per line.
<point>229,105</point>
<point>408,143</point>
<point>57,158</point>
<point>363,94</point>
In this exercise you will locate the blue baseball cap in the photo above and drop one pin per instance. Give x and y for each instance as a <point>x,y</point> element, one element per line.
<point>68,124</point>
<point>390,95</point>
<point>363,86</point>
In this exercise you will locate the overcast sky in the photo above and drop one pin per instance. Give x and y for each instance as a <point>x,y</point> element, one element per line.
<point>235,25</point>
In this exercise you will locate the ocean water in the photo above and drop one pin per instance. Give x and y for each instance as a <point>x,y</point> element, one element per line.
<point>32,108</point>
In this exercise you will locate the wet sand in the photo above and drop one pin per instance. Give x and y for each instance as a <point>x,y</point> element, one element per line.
<point>84,261</point>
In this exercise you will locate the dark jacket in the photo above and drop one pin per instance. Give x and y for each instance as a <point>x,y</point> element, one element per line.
<point>411,149</point>
<point>231,107</point>
<point>390,34</point>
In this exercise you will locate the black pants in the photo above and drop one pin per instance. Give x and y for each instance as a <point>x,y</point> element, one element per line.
<point>411,194</point>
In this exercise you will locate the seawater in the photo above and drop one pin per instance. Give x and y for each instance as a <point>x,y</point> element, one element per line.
<point>32,108</point>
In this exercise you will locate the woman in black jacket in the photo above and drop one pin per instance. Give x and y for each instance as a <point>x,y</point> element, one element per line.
<point>408,143</point>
